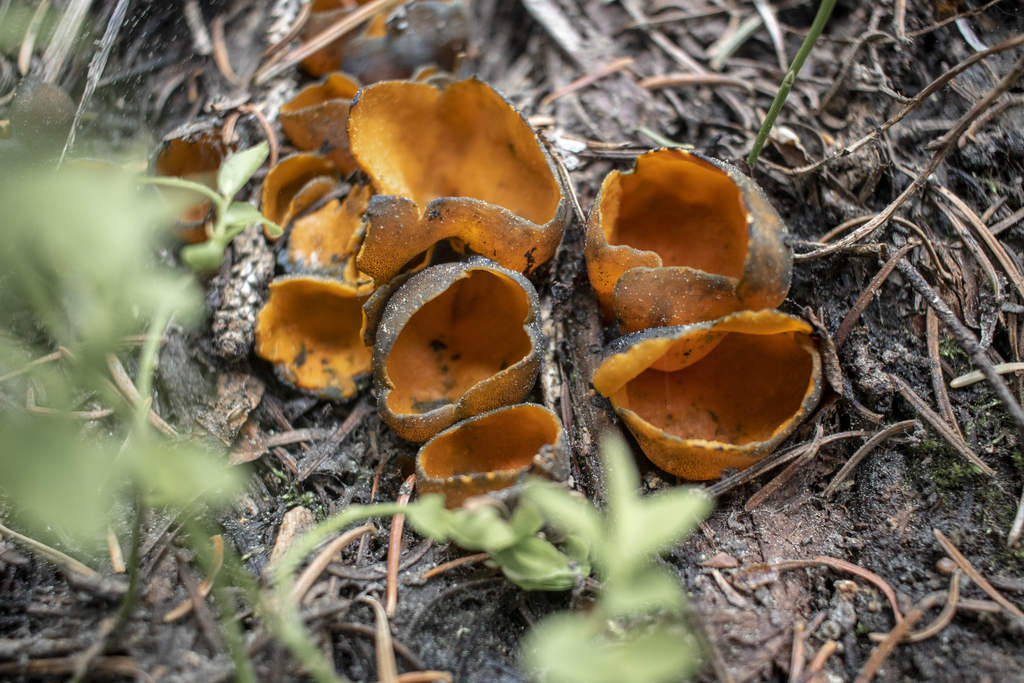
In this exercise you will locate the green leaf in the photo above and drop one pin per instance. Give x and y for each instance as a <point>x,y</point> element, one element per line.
<point>533,564</point>
<point>203,257</point>
<point>237,169</point>
<point>244,214</point>
<point>527,519</point>
<point>651,591</point>
<point>481,529</point>
<point>429,517</point>
<point>176,476</point>
<point>648,526</point>
<point>572,648</point>
<point>566,512</point>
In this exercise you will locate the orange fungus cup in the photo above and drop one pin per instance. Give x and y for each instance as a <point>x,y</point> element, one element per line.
<point>309,330</point>
<point>453,161</point>
<point>683,238</point>
<point>315,119</point>
<point>454,341</point>
<point>700,398</point>
<point>492,451</point>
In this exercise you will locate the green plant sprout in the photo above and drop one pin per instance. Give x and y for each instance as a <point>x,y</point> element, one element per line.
<point>820,19</point>
<point>231,217</point>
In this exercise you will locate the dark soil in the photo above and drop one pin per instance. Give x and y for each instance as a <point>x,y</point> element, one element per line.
<point>469,620</point>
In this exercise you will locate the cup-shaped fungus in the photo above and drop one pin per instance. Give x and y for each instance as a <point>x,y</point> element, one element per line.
<point>492,451</point>
<point>196,157</point>
<point>416,34</point>
<point>703,397</point>
<point>455,340</point>
<point>682,239</point>
<point>309,330</point>
<point>296,183</point>
<point>323,15</point>
<point>316,118</point>
<point>453,161</point>
<point>327,240</point>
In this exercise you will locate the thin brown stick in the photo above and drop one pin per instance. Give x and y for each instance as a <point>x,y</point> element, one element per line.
<point>930,416</point>
<point>941,148</point>
<point>796,658</point>
<point>869,293</point>
<point>843,565</point>
<point>950,20</point>
<point>973,575</point>
<point>28,366</point>
<point>997,249</point>
<point>293,31</point>
<point>819,659</point>
<point>220,52</point>
<point>976,251</point>
<point>773,461</point>
<point>127,389</point>
<point>206,586</point>
<point>582,82</point>
<point>268,130</point>
<point>317,566</point>
<point>448,566</point>
<point>387,667</point>
<point>967,341</point>
<point>344,25</point>
<point>63,561</point>
<point>785,475</point>
<point>862,452</point>
<point>885,648</point>
<point>938,381</point>
<point>944,619</point>
<point>1008,222</point>
<point>678,79</point>
<point>395,546</point>
<point>915,102</point>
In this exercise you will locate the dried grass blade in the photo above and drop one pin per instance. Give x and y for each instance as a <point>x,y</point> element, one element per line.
<point>973,575</point>
<point>863,451</point>
<point>940,426</point>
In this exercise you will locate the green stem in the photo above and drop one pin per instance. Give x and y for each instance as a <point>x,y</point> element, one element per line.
<point>219,201</point>
<point>128,602</point>
<point>824,11</point>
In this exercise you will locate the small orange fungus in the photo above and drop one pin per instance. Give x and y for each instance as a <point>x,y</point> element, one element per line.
<point>295,184</point>
<point>309,330</point>
<point>195,157</point>
<point>492,451</point>
<point>328,239</point>
<point>416,34</point>
<point>453,161</point>
<point>315,120</point>
<point>323,15</point>
<point>703,397</point>
<point>681,239</point>
<point>455,340</point>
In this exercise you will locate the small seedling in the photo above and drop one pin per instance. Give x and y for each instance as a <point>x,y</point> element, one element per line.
<point>231,217</point>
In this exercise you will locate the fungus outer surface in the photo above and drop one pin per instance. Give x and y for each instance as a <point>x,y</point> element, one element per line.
<point>727,405</point>
<point>455,340</point>
<point>704,239</point>
<point>309,329</point>
<point>294,184</point>
<point>315,119</point>
<point>453,161</point>
<point>489,452</point>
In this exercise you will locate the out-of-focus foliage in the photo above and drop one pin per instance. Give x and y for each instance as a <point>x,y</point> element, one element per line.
<point>78,271</point>
<point>635,630</point>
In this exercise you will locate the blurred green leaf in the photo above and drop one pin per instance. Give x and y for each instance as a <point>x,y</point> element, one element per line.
<point>204,256</point>
<point>176,476</point>
<point>244,214</point>
<point>647,526</point>
<point>566,512</point>
<point>652,590</point>
<point>238,168</point>
<point>566,648</point>
<point>533,564</point>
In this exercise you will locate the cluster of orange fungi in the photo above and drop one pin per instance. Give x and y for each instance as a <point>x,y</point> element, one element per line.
<point>683,251</point>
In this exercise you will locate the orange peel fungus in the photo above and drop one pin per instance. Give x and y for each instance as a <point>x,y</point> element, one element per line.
<point>492,451</point>
<point>700,398</point>
<point>681,239</point>
<point>294,184</point>
<point>316,118</point>
<point>196,157</point>
<point>309,330</point>
<point>455,340</point>
<point>453,161</point>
